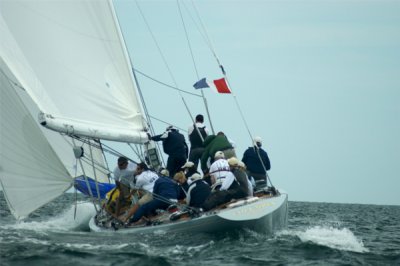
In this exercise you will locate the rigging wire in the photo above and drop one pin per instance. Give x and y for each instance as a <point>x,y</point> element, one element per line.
<point>207,38</point>
<point>165,84</point>
<point>75,190</point>
<point>211,47</point>
<point>156,44</point>
<point>163,58</point>
<point>107,148</point>
<point>257,151</point>
<point>167,123</point>
<point>137,152</point>
<point>86,179</point>
<point>100,167</point>
<point>146,113</point>
<point>106,161</point>
<point>197,74</point>
<point>94,172</point>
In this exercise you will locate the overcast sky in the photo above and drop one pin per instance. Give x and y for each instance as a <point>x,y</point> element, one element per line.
<point>319,81</point>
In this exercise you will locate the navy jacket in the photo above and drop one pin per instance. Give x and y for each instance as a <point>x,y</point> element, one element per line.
<point>252,161</point>
<point>198,192</point>
<point>165,187</point>
<point>174,143</point>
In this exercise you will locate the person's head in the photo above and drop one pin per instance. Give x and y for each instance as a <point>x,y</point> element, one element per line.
<point>242,165</point>
<point>141,167</point>
<point>257,141</point>
<point>233,162</point>
<point>220,133</point>
<point>164,172</point>
<point>180,177</point>
<point>195,176</point>
<point>219,155</point>
<point>199,118</point>
<point>171,129</point>
<point>122,163</point>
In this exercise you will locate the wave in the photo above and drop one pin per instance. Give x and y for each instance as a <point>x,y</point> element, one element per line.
<point>336,238</point>
<point>65,221</point>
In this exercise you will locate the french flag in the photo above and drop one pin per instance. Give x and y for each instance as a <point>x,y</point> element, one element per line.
<point>219,85</point>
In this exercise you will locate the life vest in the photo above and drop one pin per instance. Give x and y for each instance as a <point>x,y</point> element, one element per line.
<point>194,137</point>
<point>112,195</point>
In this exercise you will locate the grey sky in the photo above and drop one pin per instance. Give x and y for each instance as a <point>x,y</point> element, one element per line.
<point>319,81</point>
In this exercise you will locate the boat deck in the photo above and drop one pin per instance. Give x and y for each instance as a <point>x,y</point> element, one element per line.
<point>181,214</point>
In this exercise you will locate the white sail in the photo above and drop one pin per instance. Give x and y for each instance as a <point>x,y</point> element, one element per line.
<point>30,171</point>
<point>36,164</point>
<point>78,69</point>
<point>62,145</point>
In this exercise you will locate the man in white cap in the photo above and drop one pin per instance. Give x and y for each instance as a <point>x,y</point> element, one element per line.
<point>257,162</point>
<point>218,169</point>
<point>198,191</point>
<point>234,186</point>
<point>175,146</point>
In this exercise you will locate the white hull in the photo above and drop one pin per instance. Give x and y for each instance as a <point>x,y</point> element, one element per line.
<point>265,215</point>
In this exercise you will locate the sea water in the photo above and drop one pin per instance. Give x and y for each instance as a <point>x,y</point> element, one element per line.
<point>317,234</point>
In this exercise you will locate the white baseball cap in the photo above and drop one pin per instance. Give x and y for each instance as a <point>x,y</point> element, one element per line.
<point>195,176</point>
<point>188,165</point>
<point>257,139</point>
<point>219,155</point>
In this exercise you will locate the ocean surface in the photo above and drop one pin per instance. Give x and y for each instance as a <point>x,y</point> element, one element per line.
<point>317,234</point>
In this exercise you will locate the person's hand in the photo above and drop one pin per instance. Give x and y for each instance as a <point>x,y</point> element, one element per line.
<point>206,172</point>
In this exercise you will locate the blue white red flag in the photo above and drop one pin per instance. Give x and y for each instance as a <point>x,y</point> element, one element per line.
<point>219,85</point>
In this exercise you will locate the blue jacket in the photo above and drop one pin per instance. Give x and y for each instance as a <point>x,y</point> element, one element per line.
<point>174,143</point>
<point>165,187</point>
<point>252,161</point>
<point>198,192</point>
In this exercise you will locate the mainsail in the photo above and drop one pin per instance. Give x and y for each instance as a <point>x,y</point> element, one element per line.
<point>79,73</point>
<point>68,60</point>
<point>61,145</point>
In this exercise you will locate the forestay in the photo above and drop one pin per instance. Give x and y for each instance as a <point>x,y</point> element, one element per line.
<point>80,75</point>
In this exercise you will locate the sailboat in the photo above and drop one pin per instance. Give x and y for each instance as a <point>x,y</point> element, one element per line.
<point>68,61</point>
